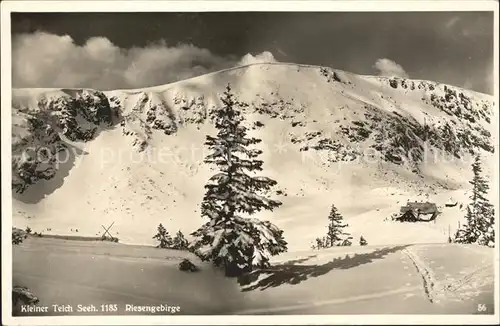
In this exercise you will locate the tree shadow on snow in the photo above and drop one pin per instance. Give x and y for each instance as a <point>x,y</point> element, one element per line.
<point>289,273</point>
<point>300,260</point>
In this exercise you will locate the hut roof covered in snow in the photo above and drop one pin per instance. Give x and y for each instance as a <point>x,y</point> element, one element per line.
<point>422,208</point>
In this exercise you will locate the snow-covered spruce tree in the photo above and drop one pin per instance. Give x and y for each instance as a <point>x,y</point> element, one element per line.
<point>335,235</point>
<point>480,216</point>
<point>229,239</point>
<point>468,232</point>
<point>18,235</point>
<point>180,242</point>
<point>362,241</point>
<point>163,237</point>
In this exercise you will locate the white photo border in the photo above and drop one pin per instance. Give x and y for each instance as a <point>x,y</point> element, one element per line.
<point>200,6</point>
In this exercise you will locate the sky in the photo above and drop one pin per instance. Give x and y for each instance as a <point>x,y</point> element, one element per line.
<point>132,50</point>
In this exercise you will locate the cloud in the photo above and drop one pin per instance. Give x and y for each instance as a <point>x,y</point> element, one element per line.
<point>452,22</point>
<point>490,83</point>
<point>468,84</point>
<point>467,27</point>
<point>482,85</point>
<point>264,57</point>
<point>483,81</point>
<point>389,68</point>
<point>47,60</point>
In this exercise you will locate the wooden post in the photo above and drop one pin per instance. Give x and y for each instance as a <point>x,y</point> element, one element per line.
<point>106,231</point>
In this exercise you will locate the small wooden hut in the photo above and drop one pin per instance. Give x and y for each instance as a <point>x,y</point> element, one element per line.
<point>416,212</point>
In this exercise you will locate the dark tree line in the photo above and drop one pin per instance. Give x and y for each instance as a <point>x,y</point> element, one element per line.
<point>178,242</point>
<point>480,216</point>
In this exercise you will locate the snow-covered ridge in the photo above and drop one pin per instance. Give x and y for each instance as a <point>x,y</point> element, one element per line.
<point>321,117</point>
<point>289,64</point>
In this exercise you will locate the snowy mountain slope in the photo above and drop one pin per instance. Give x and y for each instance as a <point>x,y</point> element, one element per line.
<point>366,144</point>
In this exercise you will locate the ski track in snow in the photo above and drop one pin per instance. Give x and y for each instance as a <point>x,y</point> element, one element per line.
<point>425,272</point>
<point>468,285</point>
<point>457,289</point>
